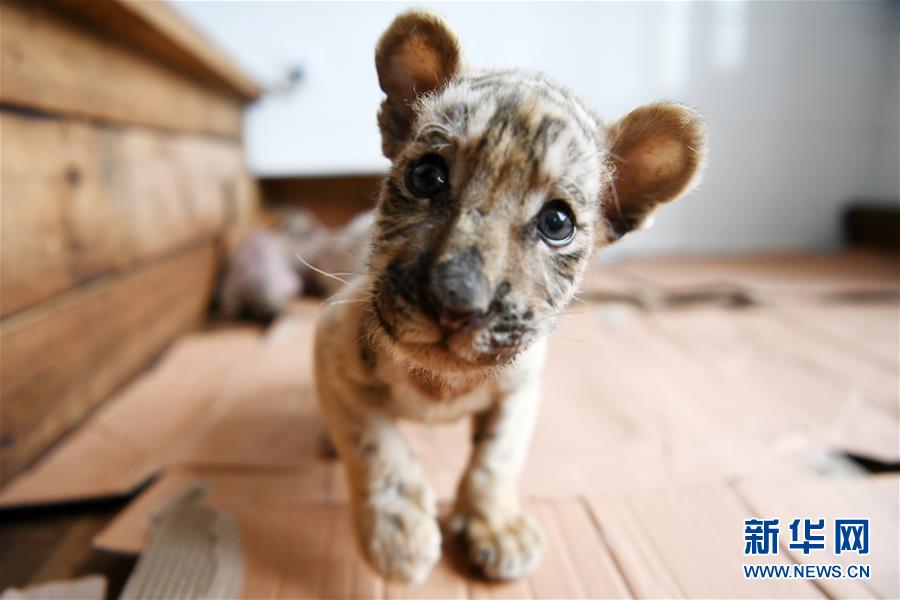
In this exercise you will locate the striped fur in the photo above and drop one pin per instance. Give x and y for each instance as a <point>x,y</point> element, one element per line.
<point>512,141</point>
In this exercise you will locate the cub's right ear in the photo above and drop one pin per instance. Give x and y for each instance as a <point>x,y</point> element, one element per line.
<point>417,55</point>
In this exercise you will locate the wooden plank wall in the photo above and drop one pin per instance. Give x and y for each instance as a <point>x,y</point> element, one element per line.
<point>121,170</point>
<point>53,64</point>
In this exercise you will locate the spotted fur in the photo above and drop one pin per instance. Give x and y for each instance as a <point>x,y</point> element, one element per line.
<point>462,288</point>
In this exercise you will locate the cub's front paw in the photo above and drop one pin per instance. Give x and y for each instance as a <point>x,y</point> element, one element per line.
<point>400,539</point>
<point>505,551</point>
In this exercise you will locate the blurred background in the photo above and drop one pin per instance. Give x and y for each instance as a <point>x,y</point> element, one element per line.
<point>801,97</point>
<point>174,176</point>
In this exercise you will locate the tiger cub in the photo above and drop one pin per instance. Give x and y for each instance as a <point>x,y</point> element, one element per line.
<point>501,187</point>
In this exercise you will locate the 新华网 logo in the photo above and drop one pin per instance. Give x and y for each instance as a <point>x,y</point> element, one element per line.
<point>846,536</point>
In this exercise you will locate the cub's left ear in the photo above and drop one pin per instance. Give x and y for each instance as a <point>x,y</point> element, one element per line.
<point>657,153</point>
<point>418,54</point>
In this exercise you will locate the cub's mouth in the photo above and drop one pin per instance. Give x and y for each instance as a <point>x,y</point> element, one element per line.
<point>422,339</point>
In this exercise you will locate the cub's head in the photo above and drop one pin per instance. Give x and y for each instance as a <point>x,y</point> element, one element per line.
<point>501,187</point>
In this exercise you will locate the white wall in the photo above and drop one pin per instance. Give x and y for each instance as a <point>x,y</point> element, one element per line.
<point>801,97</point>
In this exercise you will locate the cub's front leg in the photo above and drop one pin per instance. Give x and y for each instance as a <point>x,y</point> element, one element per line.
<point>501,541</point>
<point>393,507</point>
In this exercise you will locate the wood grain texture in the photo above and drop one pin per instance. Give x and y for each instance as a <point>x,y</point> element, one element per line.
<point>52,64</point>
<point>80,200</point>
<point>62,358</point>
<point>156,29</point>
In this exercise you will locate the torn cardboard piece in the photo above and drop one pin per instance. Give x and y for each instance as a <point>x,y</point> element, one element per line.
<point>193,552</point>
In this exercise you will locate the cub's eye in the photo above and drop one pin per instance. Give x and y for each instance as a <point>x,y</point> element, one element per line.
<point>556,223</point>
<point>427,176</point>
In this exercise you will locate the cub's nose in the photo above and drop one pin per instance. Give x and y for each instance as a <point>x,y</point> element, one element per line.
<point>458,290</point>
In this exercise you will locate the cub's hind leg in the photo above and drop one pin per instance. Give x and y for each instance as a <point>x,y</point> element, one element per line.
<point>394,509</point>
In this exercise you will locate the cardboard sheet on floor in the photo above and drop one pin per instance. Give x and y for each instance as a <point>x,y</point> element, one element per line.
<point>632,399</point>
<point>629,426</point>
<point>684,542</point>
<point>131,436</point>
<point>224,489</point>
<point>249,405</point>
<point>802,276</point>
<point>871,330</point>
<point>267,416</point>
<point>297,549</point>
<point>778,382</point>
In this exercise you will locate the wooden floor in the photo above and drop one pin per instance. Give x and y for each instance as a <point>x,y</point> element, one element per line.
<point>682,396</point>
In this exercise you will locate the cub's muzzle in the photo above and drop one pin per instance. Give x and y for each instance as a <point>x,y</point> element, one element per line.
<point>457,290</point>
